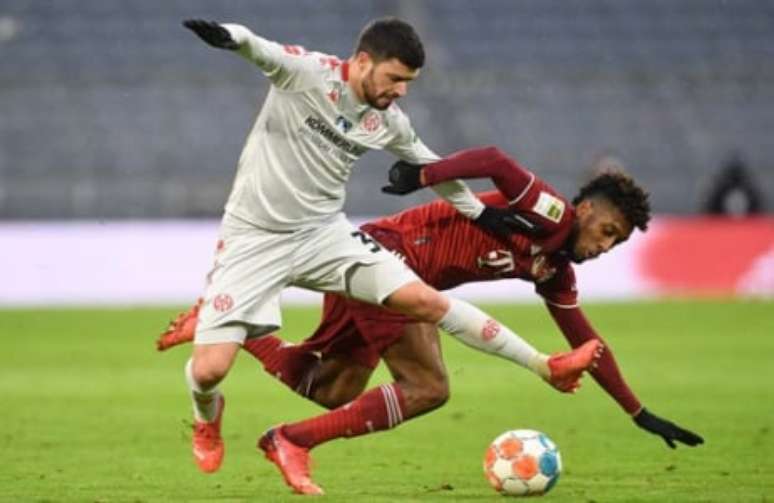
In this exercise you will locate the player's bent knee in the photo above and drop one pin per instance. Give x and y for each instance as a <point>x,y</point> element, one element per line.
<point>420,302</point>
<point>211,363</point>
<point>437,393</point>
<point>208,373</point>
<point>427,394</point>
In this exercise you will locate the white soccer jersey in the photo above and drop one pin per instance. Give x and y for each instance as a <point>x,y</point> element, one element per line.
<point>304,143</point>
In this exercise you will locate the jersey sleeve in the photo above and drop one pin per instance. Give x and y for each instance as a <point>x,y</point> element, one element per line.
<point>409,147</point>
<point>406,144</point>
<point>560,290</point>
<point>577,330</point>
<point>512,180</point>
<point>289,67</point>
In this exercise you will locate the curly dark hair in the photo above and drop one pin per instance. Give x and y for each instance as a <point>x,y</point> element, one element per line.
<point>621,190</point>
<point>390,37</point>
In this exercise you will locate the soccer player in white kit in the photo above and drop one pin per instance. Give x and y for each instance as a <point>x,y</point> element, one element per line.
<point>283,222</point>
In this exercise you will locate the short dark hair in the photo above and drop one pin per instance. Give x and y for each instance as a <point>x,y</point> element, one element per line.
<point>388,38</point>
<point>621,190</point>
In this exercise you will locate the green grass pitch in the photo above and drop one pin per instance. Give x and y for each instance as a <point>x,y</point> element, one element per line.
<point>92,413</point>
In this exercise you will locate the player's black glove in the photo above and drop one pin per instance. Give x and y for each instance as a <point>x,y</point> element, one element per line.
<point>502,222</point>
<point>404,178</point>
<point>212,33</point>
<point>666,429</point>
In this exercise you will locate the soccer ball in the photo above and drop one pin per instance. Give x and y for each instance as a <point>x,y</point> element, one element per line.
<point>522,462</point>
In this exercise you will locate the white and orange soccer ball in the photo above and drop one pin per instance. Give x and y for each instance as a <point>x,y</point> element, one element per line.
<point>522,463</point>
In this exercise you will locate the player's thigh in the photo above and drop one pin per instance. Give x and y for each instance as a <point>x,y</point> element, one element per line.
<point>340,258</point>
<point>416,357</point>
<point>251,269</point>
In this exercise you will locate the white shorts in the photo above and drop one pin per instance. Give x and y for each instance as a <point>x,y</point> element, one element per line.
<point>253,266</point>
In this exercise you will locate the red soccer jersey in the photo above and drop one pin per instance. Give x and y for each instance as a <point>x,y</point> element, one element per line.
<point>446,249</point>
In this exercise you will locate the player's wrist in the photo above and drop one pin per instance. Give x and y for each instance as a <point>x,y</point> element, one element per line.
<point>477,211</point>
<point>239,34</point>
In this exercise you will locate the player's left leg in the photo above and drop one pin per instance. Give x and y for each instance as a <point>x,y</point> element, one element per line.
<point>421,385</point>
<point>287,446</point>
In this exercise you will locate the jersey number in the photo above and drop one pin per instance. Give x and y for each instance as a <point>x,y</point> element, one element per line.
<point>367,240</point>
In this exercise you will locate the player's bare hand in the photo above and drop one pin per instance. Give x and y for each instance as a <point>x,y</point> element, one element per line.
<point>667,430</point>
<point>212,33</point>
<point>404,178</point>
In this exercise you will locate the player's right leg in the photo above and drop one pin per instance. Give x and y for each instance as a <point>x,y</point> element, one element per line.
<point>330,381</point>
<point>208,365</point>
<point>241,300</point>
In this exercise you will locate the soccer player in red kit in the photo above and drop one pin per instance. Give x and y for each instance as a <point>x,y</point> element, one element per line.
<point>332,367</point>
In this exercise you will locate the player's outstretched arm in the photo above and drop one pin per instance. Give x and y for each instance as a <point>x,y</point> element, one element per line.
<point>577,330</point>
<point>667,430</point>
<point>285,66</point>
<point>405,178</point>
<point>212,33</point>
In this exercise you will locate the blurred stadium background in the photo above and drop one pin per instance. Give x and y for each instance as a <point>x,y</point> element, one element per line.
<point>119,137</point>
<point>112,112</point>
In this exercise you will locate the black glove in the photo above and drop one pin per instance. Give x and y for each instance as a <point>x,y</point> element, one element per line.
<point>668,430</point>
<point>212,33</point>
<point>404,178</point>
<point>502,222</point>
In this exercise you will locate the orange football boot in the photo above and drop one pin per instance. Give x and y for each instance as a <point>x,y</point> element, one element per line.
<point>292,460</point>
<point>181,329</point>
<point>567,368</point>
<point>207,443</point>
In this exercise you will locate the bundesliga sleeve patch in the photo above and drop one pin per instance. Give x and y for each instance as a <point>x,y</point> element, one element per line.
<point>549,206</point>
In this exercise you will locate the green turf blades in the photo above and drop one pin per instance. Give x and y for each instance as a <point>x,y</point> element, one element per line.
<point>93,413</point>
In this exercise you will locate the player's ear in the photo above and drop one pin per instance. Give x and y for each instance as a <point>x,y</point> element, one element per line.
<point>584,208</point>
<point>364,61</point>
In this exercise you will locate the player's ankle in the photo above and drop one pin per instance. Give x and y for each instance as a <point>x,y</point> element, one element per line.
<point>538,364</point>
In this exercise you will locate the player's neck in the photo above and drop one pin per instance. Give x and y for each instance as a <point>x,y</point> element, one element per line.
<point>354,79</point>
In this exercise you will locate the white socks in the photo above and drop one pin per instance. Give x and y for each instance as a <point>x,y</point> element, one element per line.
<point>473,327</point>
<point>205,403</point>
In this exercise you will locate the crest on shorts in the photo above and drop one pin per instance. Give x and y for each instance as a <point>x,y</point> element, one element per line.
<point>549,206</point>
<point>223,302</point>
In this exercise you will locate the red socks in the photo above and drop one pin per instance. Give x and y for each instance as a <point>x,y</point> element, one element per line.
<point>283,361</point>
<point>378,409</point>
<point>375,410</point>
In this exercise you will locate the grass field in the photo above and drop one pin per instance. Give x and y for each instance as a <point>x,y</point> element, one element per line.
<point>91,413</point>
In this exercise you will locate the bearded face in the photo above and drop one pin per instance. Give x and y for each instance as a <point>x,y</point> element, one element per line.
<point>384,82</point>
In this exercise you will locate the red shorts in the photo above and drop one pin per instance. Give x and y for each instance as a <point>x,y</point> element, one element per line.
<point>356,329</point>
